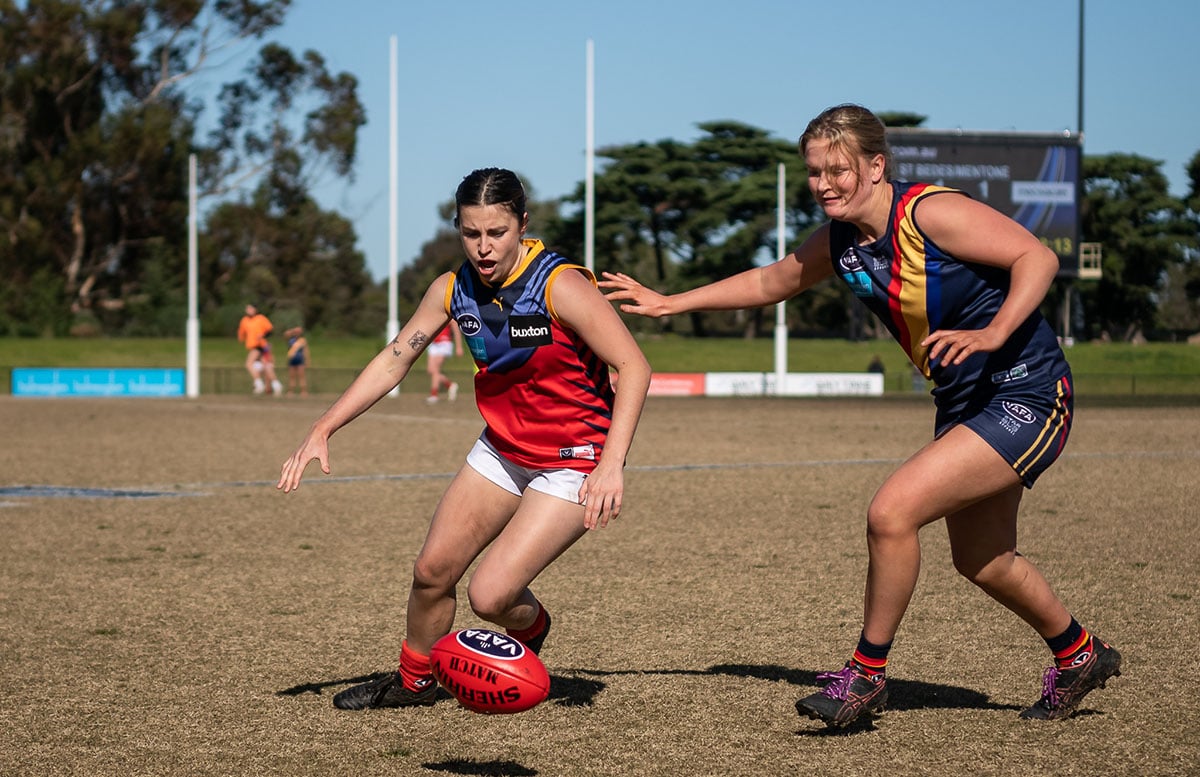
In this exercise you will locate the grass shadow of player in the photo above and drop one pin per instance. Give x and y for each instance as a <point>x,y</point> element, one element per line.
<point>576,690</point>
<point>318,688</point>
<point>482,768</point>
<point>565,691</point>
<point>580,687</point>
<point>902,694</point>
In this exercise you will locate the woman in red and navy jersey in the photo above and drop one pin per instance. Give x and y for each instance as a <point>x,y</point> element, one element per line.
<point>958,285</point>
<point>549,464</point>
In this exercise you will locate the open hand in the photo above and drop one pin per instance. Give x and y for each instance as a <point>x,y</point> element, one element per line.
<point>645,302</point>
<point>313,447</point>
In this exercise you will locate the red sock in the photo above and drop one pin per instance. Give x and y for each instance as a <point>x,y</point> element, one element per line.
<point>414,668</point>
<point>539,625</point>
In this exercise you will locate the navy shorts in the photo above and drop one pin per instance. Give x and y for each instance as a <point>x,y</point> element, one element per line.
<point>1029,428</point>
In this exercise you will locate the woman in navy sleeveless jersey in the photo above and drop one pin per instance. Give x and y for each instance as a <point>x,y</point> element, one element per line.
<point>549,465</point>
<point>958,285</point>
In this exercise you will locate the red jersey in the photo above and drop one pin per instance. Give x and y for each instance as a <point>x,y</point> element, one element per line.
<point>544,394</point>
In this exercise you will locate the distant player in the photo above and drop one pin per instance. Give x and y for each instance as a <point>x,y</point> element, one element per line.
<point>446,343</point>
<point>253,331</point>
<point>958,285</point>
<point>297,361</point>
<point>549,464</point>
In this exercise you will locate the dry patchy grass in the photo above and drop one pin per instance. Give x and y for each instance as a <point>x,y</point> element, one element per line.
<point>204,632</point>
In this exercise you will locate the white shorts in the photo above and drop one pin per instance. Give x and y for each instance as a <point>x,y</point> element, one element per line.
<point>443,348</point>
<point>487,461</point>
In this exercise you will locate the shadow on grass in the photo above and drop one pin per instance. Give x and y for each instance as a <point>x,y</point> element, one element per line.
<point>564,691</point>
<point>482,768</point>
<point>318,688</point>
<point>580,687</point>
<point>902,694</point>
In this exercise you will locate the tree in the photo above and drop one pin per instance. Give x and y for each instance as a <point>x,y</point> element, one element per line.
<point>682,214</point>
<point>1128,210</point>
<point>299,264</point>
<point>1181,303</point>
<point>276,247</point>
<point>95,130</point>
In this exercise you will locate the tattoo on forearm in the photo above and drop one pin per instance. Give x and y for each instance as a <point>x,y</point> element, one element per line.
<point>396,345</point>
<point>418,340</point>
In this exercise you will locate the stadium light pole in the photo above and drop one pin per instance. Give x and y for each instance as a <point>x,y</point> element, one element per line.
<point>781,365</point>
<point>193,320</point>
<point>589,180</point>
<point>393,322</point>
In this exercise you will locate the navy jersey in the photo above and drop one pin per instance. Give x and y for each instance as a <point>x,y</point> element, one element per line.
<point>544,394</point>
<point>915,288</point>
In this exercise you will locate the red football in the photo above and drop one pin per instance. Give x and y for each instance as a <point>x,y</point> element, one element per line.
<point>489,672</point>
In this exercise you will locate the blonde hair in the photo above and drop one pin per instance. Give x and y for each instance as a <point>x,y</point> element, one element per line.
<point>852,130</point>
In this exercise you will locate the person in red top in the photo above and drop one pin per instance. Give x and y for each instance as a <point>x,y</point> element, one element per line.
<point>446,343</point>
<point>549,465</point>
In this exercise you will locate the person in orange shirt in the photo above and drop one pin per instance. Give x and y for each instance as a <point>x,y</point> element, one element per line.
<point>253,331</point>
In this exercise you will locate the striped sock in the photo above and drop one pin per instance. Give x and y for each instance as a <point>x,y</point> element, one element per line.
<point>1071,647</point>
<point>871,659</point>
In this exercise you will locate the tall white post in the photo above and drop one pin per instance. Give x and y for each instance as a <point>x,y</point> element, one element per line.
<point>393,322</point>
<point>781,365</point>
<point>589,201</point>
<point>192,377</point>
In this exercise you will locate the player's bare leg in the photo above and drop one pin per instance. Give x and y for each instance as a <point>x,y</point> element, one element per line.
<point>470,515</point>
<point>543,527</point>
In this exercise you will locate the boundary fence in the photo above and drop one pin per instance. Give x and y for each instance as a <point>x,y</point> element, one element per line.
<point>329,380</point>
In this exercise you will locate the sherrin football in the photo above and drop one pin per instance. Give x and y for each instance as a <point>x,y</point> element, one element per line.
<point>489,672</point>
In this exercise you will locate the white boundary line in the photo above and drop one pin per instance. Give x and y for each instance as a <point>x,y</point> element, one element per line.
<point>200,489</point>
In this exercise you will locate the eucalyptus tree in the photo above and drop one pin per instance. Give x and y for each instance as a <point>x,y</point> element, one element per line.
<point>99,109</point>
<point>677,214</point>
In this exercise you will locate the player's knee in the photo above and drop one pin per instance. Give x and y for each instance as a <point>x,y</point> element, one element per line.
<point>988,572</point>
<point>887,519</point>
<point>490,602</point>
<point>431,575</point>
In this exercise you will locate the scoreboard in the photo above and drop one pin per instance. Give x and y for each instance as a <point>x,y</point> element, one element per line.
<point>1034,178</point>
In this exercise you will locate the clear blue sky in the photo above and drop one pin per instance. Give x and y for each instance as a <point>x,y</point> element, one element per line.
<point>502,83</point>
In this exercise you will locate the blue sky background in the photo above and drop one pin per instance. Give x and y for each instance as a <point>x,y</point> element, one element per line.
<point>502,83</point>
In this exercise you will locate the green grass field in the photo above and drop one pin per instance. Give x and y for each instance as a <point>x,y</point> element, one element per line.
<point>1102,368</point>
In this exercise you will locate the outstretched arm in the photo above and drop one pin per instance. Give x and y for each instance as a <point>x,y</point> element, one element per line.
<point>380,376</point>
<point>752,288</point>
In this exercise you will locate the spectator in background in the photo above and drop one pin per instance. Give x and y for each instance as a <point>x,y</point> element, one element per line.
<point>297,360</point>
<point>876,365</point>
<point>253,331</point>
<point>445,343</point>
